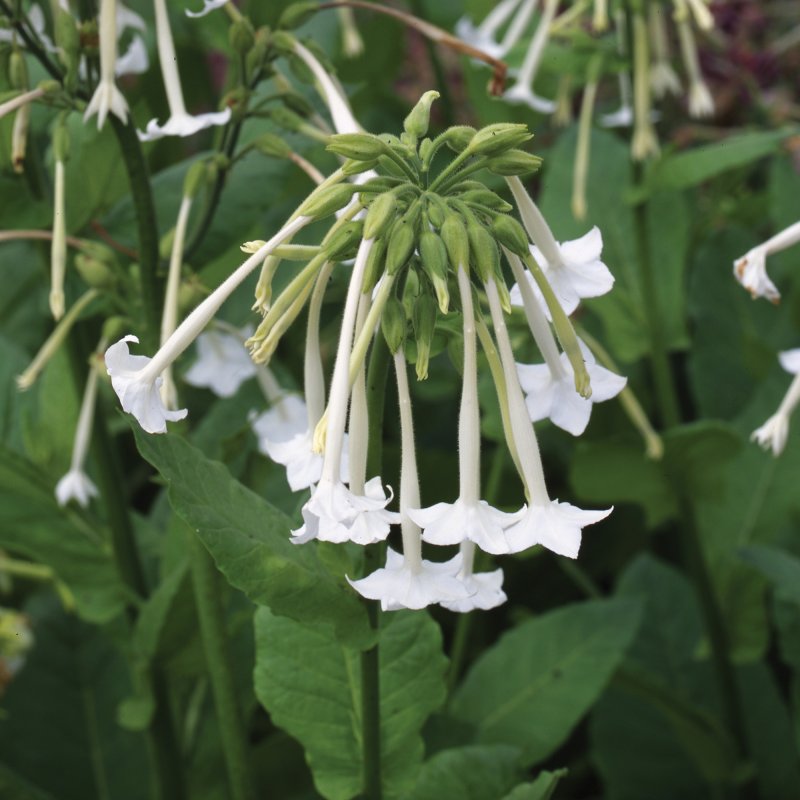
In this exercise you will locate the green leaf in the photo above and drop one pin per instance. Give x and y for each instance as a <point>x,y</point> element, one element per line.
<point>543,788</point>
<point>32,525</point>
<point>695,166</point>
<point>58,730</point>
<point>478,772</point>
<point>249,541</point>
<point>533,687</point>
<point>310,684</point>
<point>779,567</point>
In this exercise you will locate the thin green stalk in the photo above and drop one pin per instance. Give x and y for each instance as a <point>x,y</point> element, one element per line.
<point>141,192</point>
<point>666,393</point>
<point>210,612</point>
<point>370,658</point>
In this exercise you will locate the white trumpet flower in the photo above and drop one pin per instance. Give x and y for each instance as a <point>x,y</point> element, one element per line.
<point>485,588</point>
<point>773,433</point>
<point>751,269</point>
<point>223,363</point>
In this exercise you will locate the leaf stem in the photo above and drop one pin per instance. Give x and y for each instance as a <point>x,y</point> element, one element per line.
<point>210,612</point>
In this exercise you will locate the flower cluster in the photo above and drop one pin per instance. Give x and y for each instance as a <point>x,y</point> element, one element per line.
<point>425,244</point>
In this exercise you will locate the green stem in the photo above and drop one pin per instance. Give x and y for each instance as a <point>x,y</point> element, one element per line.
<point>205,580</point>
<point>697,567</point>
<point>141,192</point>
<point>666,393</point>
<point>370,658</point>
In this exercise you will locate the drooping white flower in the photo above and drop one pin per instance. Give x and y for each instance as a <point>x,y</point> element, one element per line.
<point>575,271</point>
<point>550,523</point>
<point>138,389</point>
<point>352,43</point>
<point>180,122</point>
<point>76,484</point>
<point>208,7</point>
<point>485,588</point>
<point>469,517</point>
<point>223,363</point>
<point>522,91</point>
<point>333,512</point>
<point>663,79</point>
<point>58,245</point>
<point>751,269</point>
<point>137,379</point>
<point>107,97</point>
<point>284,435</point>
<point>701,103</point>
<point>556,526</point>
<point>398,585</point>
<point>773,433</point>
<point>552,395</point>
<point>623,116</point>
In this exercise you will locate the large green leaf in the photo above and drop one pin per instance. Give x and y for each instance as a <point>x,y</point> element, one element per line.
<point>478,772</point>
<point>32,525</point>
<point>537,682</point>
<point>690,168</point>
<point>310,683</point>
<point>58,728</point>
<point>249,541</point>
<point>779,566</point>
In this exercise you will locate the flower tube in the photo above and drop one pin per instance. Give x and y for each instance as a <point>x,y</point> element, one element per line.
<point>751,269</point>
<point>773,433</point>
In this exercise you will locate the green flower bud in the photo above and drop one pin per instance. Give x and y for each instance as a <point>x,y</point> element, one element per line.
<point>483,249</point>
<point>258,52</point>
<point>342,243</point>
<point>393,324</point>
<point>283,41</point>
<point>487,199</point>
<point>402,239</point>
<point>69,43</point>
<point>458,137</point>
<point>514,162</point>
<point>241,36</point>
<point>509,233</point>
<point>387,164</point>
<point>94,271</point>
<point>425,150</point>
<point>328,200</point>
<point>416,123</point>
<point>287,119</point>
<point>380,216</point>
<point>350,167</point>
<point>270,144</point>
<point>434,261</point>
<point>358,146</point>
<point>495,139</point>
<point>17,70</point>
<point>375,266</point>
<point>454,236</point>
<point>411,288</point>
<point>436,210</point>
<point>297,103</point>
<point>378,185</point>
<point>424,320</point>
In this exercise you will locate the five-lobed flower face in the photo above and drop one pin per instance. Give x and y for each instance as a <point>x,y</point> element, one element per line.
<point>222,364</point>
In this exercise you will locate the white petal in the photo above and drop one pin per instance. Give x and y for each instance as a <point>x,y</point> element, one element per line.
<point>751,271</point>
<point>605,383</point>
<point>485,592</point>
<point>208,7</point>
<point>773,433</point>
<point>570,411</point>
<point>134,61</point>
<point>524,95</point>
<point>222,364</point>
<point>790,360</point>
<point>75,485</point>
<point>184,125</point>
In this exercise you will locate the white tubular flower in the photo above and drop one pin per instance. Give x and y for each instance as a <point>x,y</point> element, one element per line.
<point>208,7</point>
<point>522,91</point>
<point>469,517</point>
<point>408,581</point>
<point>223,363</point>
<point>76,485</point>
<point>58,245</point>
<point>333,512</point>
<point>573,268</point>
<point>483,36</point>
<point>485,588</point>
<point>701,103</point>
<point>550,523</point>
<point>773,433</point>
<point>137,379</point>
<point>663,78</point>
<point>352,43</point>
<point>180,122</point>
<point>553,396</point>
<point>107,97</point>
<point>644,142</point>
<point>20,100</point>
<point>751,269</point>
<point>341,114</point>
